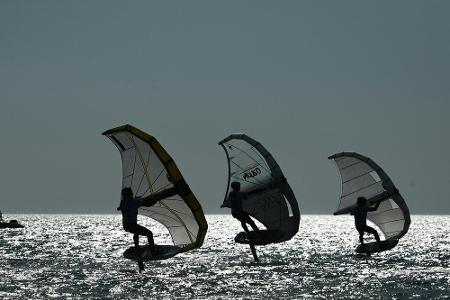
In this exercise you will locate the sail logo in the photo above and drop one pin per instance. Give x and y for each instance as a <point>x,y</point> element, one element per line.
<point>251,173</point>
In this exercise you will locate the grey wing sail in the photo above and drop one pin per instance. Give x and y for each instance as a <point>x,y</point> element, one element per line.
<point>270,199</point>
<point>361,176</point>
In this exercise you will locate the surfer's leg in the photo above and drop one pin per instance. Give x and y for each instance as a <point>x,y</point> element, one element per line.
<point>150,240</point>
<point>361,236</point>
<point>244,225</point>
<point>145,232</point>
<point>374,232</point>
<point>241,218</point>
<point>136,240</point>
<point>248,220</point>
<point>131,228</point>
<point>252,224</point>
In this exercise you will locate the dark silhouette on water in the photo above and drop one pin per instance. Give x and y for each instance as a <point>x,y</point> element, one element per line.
<point>368,193</point>
<point>129,208</point>
<point>360,213</point>
<point>236,197</point>
<point>10,224</point>
<point>152,174</point>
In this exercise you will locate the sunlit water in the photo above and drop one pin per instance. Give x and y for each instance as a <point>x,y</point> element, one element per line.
<point>80,256</point>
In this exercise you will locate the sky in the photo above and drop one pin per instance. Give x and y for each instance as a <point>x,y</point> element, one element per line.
<point>307,79</point>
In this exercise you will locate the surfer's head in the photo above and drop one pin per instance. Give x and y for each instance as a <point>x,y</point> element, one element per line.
<point>236,186</point>
<point>361,201</point>
<point>127,193</point>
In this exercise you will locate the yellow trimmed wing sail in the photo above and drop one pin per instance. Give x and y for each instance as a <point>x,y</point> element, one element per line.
<point>149,170</point>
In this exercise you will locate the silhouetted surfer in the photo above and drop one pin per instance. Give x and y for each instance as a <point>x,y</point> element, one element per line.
<point>360,213</point>
<point>236,197</point>
<point>129,208</point>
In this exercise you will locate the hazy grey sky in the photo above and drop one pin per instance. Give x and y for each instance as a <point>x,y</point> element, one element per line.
<point>305,78</point>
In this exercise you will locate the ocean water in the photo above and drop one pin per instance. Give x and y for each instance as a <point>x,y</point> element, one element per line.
<point>80,257</point>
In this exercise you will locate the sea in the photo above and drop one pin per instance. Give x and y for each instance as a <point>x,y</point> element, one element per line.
<point>80,257</point>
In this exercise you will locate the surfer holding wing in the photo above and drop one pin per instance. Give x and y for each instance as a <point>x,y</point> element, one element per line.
<point>257,190</point>
<point>153,187</point>
<point>360,213</point>
<point>129,208</point>
<point>368,193</point>
<point>236,197</point>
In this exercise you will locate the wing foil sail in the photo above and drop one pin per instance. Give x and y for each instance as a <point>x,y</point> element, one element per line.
<point>361,176</point>
<point>149,170</point>
<point>269,199</point>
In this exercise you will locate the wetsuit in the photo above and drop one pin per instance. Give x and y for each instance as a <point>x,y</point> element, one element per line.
<point>129,210</point>
<point>360,213</point>
<point>236,199</point>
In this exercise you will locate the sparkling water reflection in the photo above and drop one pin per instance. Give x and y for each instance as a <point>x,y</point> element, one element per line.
<point>80,256</point>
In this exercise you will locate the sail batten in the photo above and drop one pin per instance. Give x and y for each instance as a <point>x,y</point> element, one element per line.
<point>361,176</point>
<point>269,199</point>
<point>150,171</point>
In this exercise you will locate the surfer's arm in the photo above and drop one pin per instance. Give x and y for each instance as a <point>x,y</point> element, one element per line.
<point>152,199</point>
<point>253,192</point>
<point>148,201</point>
<point>268,186</point>
<point>120,205</point>
<point>351,211</point>
<point>228,202</point>
<point>375,207</point>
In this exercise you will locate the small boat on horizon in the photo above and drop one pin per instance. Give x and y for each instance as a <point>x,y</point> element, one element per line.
<point>11,224</point>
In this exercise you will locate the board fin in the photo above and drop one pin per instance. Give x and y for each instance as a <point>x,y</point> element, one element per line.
<point>255,256</point>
